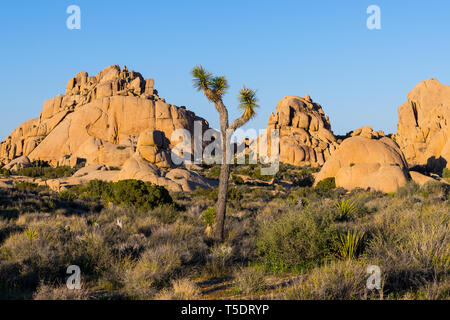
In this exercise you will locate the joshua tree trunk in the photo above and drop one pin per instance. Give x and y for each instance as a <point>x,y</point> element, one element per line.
<point>221,205</point>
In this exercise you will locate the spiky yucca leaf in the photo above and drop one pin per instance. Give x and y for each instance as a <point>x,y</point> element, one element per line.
<point>349,244</point>
<point>219,85</point>
<point>346,208</point>
<point>201,78</point>
<point>248,102</point>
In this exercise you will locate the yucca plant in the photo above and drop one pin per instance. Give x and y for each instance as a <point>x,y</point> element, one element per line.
<point>214,88</point>
<point>350,244</point>
<point>31,234</point>
<point>345,208</point>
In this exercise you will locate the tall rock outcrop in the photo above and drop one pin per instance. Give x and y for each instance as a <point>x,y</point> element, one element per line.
<point>424,126</point>
<point>305,132</point>
<point>99,121</point>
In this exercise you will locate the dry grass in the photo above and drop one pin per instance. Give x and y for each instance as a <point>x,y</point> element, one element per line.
<point>126,253</point>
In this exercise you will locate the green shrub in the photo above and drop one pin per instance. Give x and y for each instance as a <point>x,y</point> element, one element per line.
<point>209,216</point>
<point>27,186</point>
<point>249,280</point>
<point>237,179</point>
<point>446,173</point>
<point>5,172</point>
<point>67,195</point>
<point>46,172</point>
<point>166,214</point>
<point>295,241</point>
<point>326,184</point>
<point>141,195</point>
<point>213,172</point>
<point>335,280</point>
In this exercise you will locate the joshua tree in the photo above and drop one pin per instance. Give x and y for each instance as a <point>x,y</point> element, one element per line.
<point>214,88</point>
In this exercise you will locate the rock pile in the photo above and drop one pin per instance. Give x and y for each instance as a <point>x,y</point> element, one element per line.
<point>305,132</point>
<point>97,121</point>
<point>424,126</point>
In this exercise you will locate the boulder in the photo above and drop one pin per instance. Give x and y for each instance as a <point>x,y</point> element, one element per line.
<point>420,179</point>
<point>304,130</point>
<point>423,126</point>
<point>361,162</point>
<point>153,146</point>
<point>18,163</point>
<point>176,180</point>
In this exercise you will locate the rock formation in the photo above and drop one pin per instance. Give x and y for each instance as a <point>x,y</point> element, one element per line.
<point>424,126</point>
<point>367,132</point>
<point>360,162</point>
<point>114,119</point>
<point>98,121</point>
<point>305,131</point>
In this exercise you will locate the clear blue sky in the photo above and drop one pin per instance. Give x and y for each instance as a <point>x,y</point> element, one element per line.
<point>321,48</point>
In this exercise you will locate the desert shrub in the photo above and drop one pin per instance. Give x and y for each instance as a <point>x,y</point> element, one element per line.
<point>210,193</point>
<point>183,289</point>
<point>213,172</point>
<point>296,240</point>
<point>299,177</point>
<point>326,184</point>
<point>27,186</point>
<point>217,265</point>
<point>67,195</point>
<point>446,173</point>
<point>155,267</point>
<point>237,179</point>
<point>5,172</point>
<point>46,172</point>
<point>435,189</point>
<point>135,193</point>
<point>253,171</point>
<point>408,191</point>
<point>336,280</point>
<point>49,292</point>
<point>411,246</point>
<point>166,214</point>
<point>249,280</point>
<point>209,218</point>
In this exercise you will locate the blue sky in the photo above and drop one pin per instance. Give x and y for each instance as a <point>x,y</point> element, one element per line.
<point>320,48</point>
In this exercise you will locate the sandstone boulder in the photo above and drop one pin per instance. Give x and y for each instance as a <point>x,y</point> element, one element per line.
<point>420,179</point>
<point>18,163</point>
<point>423,126</point>
<point>365,163</point>
<point>304,130</point>
<point>367,132</point>
<point>153,146</point>
<point>176,180</point>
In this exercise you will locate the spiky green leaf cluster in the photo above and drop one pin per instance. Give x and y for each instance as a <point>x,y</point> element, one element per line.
<point>248,102</point>
<point>350,244</point>
<point>346,209</point>
<point>213,87</point>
